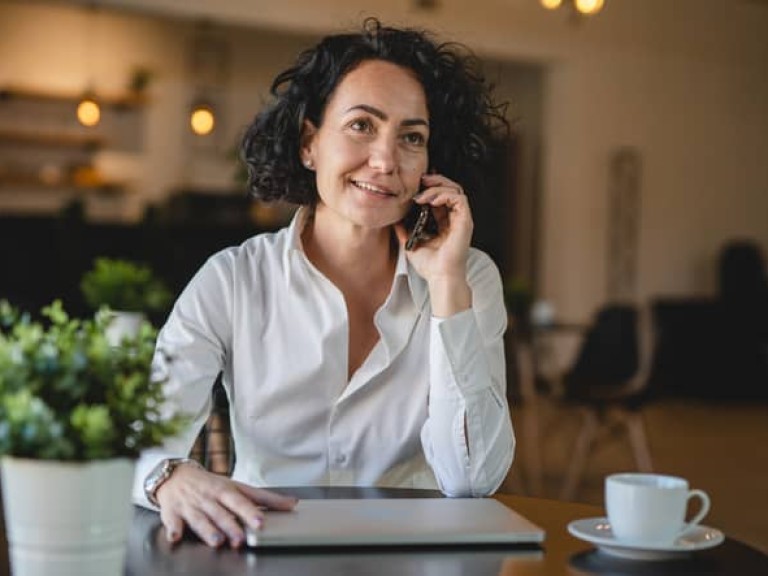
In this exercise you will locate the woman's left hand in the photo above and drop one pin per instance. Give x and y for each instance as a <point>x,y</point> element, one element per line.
<point>442,260</point>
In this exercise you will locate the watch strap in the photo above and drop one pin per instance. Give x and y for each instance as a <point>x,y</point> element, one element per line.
<point>160,474</point>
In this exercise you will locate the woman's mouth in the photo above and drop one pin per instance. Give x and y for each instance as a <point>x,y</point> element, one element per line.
<point>372,189</point>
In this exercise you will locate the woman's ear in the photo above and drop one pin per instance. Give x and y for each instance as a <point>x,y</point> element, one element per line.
<point>306,151</point>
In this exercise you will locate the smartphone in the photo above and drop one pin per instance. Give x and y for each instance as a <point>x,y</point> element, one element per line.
<point>420,224</point>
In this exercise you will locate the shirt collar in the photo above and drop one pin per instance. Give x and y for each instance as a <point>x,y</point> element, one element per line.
<point>416,284</point>
<point>296,227</point>
<point>403,270</point>
<point>293,248</point>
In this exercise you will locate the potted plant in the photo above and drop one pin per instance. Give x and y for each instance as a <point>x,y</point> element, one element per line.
<point>75,412</point>
<point>129,289</point>
<point>518,297</point>
<point>141,78</point>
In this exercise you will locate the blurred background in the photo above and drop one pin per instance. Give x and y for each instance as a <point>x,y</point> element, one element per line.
<point>631,198</point>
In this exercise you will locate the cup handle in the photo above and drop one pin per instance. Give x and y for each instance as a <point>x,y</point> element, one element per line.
<point>700,514</point>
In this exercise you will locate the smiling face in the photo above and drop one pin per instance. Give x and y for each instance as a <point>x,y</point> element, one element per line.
<point>370,151</point>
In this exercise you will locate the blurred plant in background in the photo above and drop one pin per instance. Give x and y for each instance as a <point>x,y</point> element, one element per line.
<point>125,286</point>
<point>518,297</point>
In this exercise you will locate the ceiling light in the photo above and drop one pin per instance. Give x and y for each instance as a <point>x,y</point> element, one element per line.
<point>551,4</point>
<point>88,111</point>
<point>579,7</point>
<point>202,119</point>
<point>589,7</point>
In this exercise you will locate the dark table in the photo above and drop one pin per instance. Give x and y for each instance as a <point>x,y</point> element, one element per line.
<point>561,554</point>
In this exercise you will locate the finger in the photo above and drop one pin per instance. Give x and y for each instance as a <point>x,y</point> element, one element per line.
<point>244,507</point>
<point>429,195</point>
<point>225,522</point>
<point>450,200</point>
<point>443,217</point>
<point>201,525</point>
<point>438,180</point>
<point>453,212</point>
<point>268,498</point>
<point>173,524</point>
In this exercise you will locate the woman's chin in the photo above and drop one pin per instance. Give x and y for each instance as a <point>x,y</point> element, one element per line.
<point>376,219</point>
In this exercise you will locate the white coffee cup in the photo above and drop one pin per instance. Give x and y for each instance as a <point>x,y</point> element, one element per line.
<point>650,508</point>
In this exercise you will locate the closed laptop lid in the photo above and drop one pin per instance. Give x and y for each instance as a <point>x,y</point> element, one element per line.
<point>393,521</point>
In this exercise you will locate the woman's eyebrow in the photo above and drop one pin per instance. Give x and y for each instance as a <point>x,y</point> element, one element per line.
<point>380,114</point>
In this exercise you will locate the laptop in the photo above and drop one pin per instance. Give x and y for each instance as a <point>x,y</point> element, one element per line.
<point>395,521</point>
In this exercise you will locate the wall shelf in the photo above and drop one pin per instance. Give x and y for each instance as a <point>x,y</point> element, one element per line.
<point>48,158</point>
<point>52,139</point>
<point>13,183</point>
<point>118,101</point>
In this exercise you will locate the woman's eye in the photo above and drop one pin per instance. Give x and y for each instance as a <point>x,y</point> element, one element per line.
<point>414,138</point>
<point>361,125</point>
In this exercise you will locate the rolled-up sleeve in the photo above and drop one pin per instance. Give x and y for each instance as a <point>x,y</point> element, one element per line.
<point>468,437</point>
<point>190,353</point>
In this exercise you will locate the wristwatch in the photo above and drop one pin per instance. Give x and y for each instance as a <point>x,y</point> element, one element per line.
<point>160,474</point>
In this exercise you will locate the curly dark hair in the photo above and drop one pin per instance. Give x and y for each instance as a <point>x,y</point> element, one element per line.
<point>463,116</point>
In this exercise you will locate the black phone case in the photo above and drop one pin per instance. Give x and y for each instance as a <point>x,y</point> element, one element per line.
<point>420,224</point>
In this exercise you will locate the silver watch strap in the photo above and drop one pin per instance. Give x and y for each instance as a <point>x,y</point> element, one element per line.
<point>161,473</point>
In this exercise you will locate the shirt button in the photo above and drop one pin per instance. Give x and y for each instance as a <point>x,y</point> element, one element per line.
<point>341,459</point>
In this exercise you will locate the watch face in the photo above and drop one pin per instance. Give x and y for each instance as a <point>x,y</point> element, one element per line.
<point>159,474</point>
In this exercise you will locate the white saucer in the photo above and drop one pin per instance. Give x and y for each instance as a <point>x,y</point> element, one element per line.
<point>598,532</point>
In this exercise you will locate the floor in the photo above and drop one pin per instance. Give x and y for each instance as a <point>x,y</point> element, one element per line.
<point>722,449</point>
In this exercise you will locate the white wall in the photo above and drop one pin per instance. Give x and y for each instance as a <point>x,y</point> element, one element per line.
<point>683,81</point>
<point>702,130</point>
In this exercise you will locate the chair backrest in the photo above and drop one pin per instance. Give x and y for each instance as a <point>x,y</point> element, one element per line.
<point>743,298</point>
<point>610,353</point>
<point>742,274</point>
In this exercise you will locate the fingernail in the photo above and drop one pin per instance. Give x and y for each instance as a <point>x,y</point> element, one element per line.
<point>171,535</point>
<point>258,523</point>
<point>216,539</point>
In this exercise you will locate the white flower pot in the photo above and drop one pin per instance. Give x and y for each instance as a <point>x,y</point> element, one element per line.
<point>67,518</point>
<point>123,325</point>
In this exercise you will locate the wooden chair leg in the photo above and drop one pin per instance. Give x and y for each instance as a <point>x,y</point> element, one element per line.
<point>532,452</point>
<point>639,441</point>
<point>530,421</point>
<point>580,454</point>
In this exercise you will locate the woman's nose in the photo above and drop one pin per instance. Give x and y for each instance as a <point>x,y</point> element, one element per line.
<point>383,155</point>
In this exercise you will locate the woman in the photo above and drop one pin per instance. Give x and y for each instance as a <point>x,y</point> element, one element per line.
<point>347,360</point>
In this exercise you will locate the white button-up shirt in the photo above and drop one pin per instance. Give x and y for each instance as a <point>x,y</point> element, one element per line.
<point>426,409</point>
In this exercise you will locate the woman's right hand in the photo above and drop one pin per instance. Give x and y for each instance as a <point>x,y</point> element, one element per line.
<point>214,507</point>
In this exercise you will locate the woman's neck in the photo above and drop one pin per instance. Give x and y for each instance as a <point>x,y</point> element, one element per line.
<point>348,254</point>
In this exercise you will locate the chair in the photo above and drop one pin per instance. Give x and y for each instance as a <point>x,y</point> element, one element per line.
<point>214,448</point>
<point>608,385</point>
<point>743,308</point>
